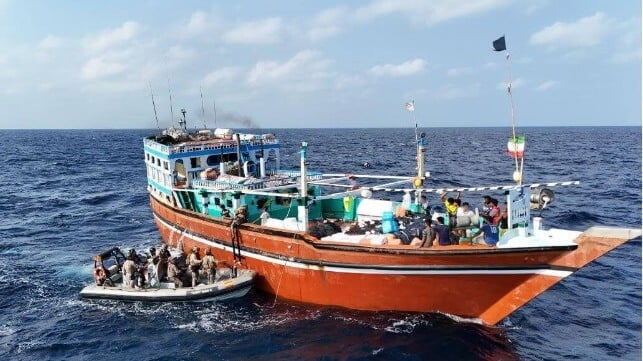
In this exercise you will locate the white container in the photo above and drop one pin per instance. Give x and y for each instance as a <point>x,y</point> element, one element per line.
<point>537,223</point>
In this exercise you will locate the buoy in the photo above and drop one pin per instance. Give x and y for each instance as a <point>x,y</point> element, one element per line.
<point>517,176</point>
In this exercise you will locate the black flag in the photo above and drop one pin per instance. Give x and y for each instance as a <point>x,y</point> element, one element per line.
<point>499,44</point>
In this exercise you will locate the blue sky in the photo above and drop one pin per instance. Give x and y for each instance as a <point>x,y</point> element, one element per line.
<point>294,64</point>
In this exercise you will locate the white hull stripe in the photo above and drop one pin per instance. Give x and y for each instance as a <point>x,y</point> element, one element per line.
<point>375,271</point>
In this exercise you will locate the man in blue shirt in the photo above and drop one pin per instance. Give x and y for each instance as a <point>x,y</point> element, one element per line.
<point>491,234</point>
<point>439,230</point>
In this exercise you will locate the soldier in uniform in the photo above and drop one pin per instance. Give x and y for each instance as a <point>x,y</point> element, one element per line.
<point>129,269</point>
<point>209,265</point>
<point>194,263</point>
<point>173,273</point>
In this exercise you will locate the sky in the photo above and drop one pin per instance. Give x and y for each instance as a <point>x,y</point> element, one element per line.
<point>318,64</point>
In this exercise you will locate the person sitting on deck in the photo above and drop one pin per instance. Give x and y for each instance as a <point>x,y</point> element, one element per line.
<point>491,234</point>
<point>438,234</point>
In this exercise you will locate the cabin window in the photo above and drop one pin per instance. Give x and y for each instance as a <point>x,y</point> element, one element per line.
<point>195,162</point>
<point>153,159</point>
<point>166,165</point>
<point>158,162</point>
<point>213,160</point>
<point>147,156</point>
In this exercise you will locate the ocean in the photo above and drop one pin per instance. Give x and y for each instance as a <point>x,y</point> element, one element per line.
<point>67,195</point>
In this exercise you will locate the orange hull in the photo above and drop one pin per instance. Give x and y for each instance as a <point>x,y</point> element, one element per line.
<point>469,281</point>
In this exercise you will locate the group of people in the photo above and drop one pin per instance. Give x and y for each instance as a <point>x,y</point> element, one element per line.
<point>442,233</point>
<point>163,267</point>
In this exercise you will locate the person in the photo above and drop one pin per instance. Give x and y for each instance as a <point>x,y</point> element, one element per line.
<point>494,213</point>
<point>225,212</point>
<point>264,216</point>
<point>164,256</point>
<point>491,234</point>
<point>129,269</point>
<point>504,219</point>
<point>195,264</point>
<point>173,273</point>
<point>439,231</point>
<point>486,206</point>
<point>464,210</point>
<point>426,234</point>
<point>451,207</point>
<point>424,203</point>
<point>406,200</point>
<point>209,265</point>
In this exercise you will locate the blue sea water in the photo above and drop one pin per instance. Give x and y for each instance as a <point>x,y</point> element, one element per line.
<point>66,195</point>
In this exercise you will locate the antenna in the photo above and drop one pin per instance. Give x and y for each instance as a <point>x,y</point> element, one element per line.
<point>202,109</point>
<point>169,90</point>
<point>214,107</point>
<point>154,106</point>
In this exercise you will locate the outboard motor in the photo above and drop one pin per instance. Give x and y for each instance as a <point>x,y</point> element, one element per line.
<point>540,198</point>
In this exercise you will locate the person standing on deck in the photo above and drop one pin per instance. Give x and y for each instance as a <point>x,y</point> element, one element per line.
<point>173,273</point>
<point>451,207</point>
<point>129,268</point>
<point>164,256</point>
<point>195,264</point>
<point>209,265</point>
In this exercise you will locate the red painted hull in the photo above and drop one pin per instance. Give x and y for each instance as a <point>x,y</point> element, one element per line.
<point>468,281</point>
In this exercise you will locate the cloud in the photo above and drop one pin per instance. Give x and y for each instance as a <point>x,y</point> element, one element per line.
<point>101,67</point>
<point>221,75</point>
<point>305,71</point>
<point>585,32</point>
<point>50,42</point>
<point>327,23</point>
<point>459,71</point>
<point>113,37</point>
<point>197,25</point>
<point>407,68</point>
<point>450,92</point>
<point>546,85</point>
<point>427,12</point>
<point>267,31</point>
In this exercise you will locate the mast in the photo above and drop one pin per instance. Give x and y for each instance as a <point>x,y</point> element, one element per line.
<point>302,210</point>
<point>154,106</point>
<point>202,108</point>
<point>512,146</point>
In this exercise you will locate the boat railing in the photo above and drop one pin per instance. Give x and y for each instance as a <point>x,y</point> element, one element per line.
<point>150,143</point>
<point>311,176</point>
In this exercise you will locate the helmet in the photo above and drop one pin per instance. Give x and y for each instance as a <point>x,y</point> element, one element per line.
<point>207,251</point>
<point>164,246</point>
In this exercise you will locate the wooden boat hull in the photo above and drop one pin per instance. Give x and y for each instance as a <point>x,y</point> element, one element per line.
<point>220,290</point>
<point>469,281</point>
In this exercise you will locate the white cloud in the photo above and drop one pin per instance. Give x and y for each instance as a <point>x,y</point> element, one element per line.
<point>546,85</point>
<point>221,75</point>
<point>266,31</point>
<point>113,37</point>
<point>585,32</point>
<point>100,67</point>
<point>197,25</point>
<point>328,23</point>
<point>459,71</point>
<point>407,68</point>
<point>428,12</point>
<point>306,70</point>
<point>450,92</point>
<point>50,42</point>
